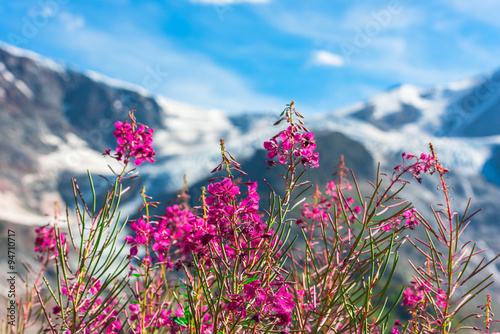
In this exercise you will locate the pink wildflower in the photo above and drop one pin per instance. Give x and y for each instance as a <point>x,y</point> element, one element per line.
<point>135,141</point>
<point>411,218</point>
<point>294,147</point>
<point>46,243</point>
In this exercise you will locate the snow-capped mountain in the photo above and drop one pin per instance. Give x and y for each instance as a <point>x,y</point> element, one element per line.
<point>56,121</point>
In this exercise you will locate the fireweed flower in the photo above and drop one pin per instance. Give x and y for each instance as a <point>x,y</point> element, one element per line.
<point>71,289</point>
<point>415,297</point>
<point>322,204</point>
<point>135,141</point>
<point>411,218</point>
<point>179,228</point>
<point>392,224</point>
<point>46,243</point>
<point>271,305</point>
<point>292,147</point>
<point>423,164</point>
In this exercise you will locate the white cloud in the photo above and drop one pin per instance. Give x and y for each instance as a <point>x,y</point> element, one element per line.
<point>326,58</point>
<point>484,10</point>
<point>228,2</point>
<point>71,22</point>
<point>404,62</point>
<point>388,17</point>
<point>399,50</point>
<point>328,26</point>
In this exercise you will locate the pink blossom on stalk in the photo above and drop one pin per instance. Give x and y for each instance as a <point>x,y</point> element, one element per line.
<point>273,305</point>
<point>142,229</point>
<point>416,295</point>
<point>310,159</point>
<point>392,223</point>
<point>133,250</point>
<point>222,189</point>
<point>294,147</point>
<point>237,305</point>
<point>441,298</point>
<point>273,148</point>
<point>425,163</point>
<point>179,228</point>
<point>322,206</point>
<point>46,243</point>
<point>95,287</point>
<point>135,141</point>
<point>88,306</point>
<point>331,189</point>
<point>135,309</point>
<point>308,141</point>
<point>282,300</point>
<point>254,290</point>
<point>284,318</point>
<point>411,218</point>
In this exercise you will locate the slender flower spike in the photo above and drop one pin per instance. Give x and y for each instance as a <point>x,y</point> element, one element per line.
<point>135,141</point>
<point>292,146</point>
<point>46,243</point>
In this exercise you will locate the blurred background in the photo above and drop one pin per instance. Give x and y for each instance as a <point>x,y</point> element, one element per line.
<point>374,79</point>
<point>246,55</point>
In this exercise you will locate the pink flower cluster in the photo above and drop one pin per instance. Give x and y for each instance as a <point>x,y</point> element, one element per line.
<point>231,223</point>
<point>236,219</point>
<point>178,227</point>
<point>321,207</point>
<point>425,163</point>
<point>293,146</point>
<point>46,243</point>
<point>409,216</point>
<point>229,215</point>
<point>395,329</point>
<point>415,297</point>
<point>134,143</point>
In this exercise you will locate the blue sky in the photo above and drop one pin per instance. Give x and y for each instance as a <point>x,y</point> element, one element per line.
<point>257,55</point>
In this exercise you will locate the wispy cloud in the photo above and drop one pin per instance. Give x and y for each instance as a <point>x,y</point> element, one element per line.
<point>71,21</point>
<point>483,11</point>
<point>229,2</point>
<point>326,58</point>
<point>406,62</point>
<point>380,40</point>
<point>388,17</point>
<point>155,63</point>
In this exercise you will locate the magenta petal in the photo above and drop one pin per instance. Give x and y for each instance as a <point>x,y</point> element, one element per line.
<point>268,145</point>
<point>271,154</point>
